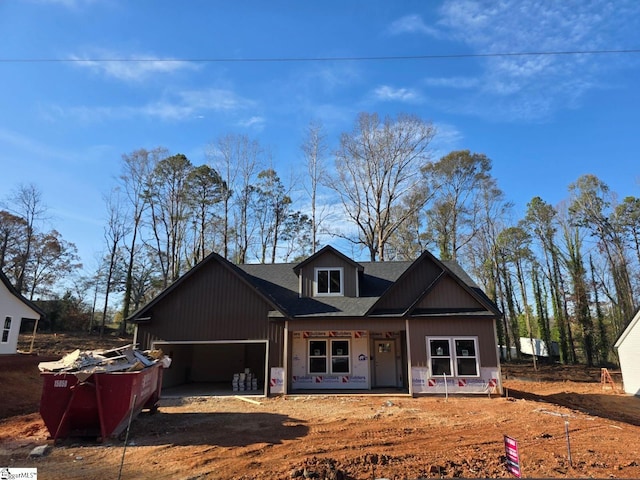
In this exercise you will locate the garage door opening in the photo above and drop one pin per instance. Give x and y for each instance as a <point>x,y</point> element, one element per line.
<point>215,368</point>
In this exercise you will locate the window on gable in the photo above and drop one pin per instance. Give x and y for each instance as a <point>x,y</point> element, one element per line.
<point>328,281</point>
<point>453,356</point>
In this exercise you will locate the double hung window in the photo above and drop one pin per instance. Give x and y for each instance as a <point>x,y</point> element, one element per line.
<point>329,356</point>
<point>6,328</point>
<point>328,281</point>
<point>453,356</point>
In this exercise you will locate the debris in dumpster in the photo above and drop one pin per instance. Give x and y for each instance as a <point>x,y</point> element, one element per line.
<point>96,393</point>
<point>122,359</point>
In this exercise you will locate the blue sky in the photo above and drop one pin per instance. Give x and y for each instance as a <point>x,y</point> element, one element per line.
<point>544,120</point>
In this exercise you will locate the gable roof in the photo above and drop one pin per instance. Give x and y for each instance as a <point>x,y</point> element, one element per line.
<point>19,296</point>
<point>324,250</point>
<point>625,333</point>
<point>278,285</point>
<point>138,315</point>
<point>377,281</point>
<point>449,269</point>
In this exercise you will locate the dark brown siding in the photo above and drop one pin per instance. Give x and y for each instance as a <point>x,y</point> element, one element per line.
<point>328,260</point>
<point>212,304</point>
<point>453,327</point>
<point>447,294</point>
<point>410,287</point>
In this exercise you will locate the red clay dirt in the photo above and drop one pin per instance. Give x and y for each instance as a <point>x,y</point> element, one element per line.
<point>348,437</point>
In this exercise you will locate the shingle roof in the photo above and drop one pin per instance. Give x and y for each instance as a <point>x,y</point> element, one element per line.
<point>280,283</point>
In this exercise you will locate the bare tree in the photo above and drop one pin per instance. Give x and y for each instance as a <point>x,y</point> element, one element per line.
<point>408,240</point>
<point>167,197</point>
<point>458,181</point>
<point>314,149</point>
<point>205,189</point>
<point>272,205</point>
<point>627,219</point>
<point>578,275</point>
<point>52,258</point>
<point>515,243</point>
<point>26,202</point>
<point>114,234</point>
<point>378,165</point>
<point>484,256</point>
<point>135,178</point>
<point>13,233</point>
<point>542,221</point>
<point>237,159</point>
<point>592,207</point>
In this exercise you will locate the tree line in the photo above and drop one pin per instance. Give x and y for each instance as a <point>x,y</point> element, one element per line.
<point>566,273</point>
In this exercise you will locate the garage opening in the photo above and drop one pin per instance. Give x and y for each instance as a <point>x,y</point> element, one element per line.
<point>237,367</point>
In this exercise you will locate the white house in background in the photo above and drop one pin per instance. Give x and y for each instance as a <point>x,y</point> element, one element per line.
<point>628,345</point>
<point>13,309</point>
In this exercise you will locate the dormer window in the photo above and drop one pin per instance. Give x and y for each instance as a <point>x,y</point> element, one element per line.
<point>328,281</point>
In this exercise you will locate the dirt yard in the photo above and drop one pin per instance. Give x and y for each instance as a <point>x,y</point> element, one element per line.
<point>348,437</point>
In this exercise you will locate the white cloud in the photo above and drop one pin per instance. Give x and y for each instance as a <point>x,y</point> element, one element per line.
<point>386,93</point>
<point>447,138</point>
<point>216,99</point>
<point>460,83</point>
<point>411,24</point>
<point>321,77</point>
<point>184,105</point>
<point>535,86</point>
<point>255,121</point>
<point>131,68</point>
<point>14,140</point>
<point>193,103</point>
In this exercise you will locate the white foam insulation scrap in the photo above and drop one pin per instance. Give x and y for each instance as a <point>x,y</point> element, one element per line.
<point>122,359</point>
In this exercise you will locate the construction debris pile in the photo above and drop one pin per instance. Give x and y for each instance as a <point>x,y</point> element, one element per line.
<point>121,359</point>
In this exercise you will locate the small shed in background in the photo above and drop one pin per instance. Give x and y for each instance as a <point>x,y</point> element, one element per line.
<point>628,345</point>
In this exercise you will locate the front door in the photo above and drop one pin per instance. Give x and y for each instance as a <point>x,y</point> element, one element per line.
<point>385,363</point>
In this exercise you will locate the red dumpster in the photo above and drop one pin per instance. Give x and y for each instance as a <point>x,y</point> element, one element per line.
<point>99,406</point>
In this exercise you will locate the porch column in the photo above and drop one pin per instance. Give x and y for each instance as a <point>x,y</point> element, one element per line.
<point>285,362</point>
<point>408,340</point>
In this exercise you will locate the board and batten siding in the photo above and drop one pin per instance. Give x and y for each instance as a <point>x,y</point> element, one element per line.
<point>483,328</point>
<point>213,304</point>
<point>447,294</point>
<point>628,346</point>
<point>411,286</point>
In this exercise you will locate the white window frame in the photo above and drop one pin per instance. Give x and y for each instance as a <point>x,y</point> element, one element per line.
<point>329,293</point>
<point>6,329</point>
<point>453,355</point>
<point>329,355</point>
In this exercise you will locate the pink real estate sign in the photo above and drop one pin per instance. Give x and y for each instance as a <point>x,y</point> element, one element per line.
<point>513,456</point>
